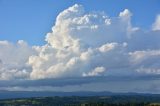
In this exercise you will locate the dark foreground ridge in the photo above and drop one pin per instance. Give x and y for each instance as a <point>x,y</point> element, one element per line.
<point>119,100</point>
<point>17,98</point>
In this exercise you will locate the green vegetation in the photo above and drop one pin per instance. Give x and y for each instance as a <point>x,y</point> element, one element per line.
<point>121,100</point>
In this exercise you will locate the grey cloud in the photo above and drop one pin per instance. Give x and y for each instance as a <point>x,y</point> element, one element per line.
<point>61,82</point>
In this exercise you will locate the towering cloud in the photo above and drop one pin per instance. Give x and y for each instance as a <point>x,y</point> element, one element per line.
<point>80,42</point>
<point>85,44</point>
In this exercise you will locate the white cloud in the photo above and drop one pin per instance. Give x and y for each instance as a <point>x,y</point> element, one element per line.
<point>126,14</point>
<point>84,44</point>
<point>78,43</point>
<point>97,71</point>
<point>13,60</point>
<point>156,24</point>
<point>146,61</point>
<point>107,47</point>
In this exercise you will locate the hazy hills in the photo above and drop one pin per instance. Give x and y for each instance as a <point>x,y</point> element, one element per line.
<point>28,94</point>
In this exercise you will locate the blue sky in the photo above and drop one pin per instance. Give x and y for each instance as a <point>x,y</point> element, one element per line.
<point>80,44</point>
<point>30,20</point>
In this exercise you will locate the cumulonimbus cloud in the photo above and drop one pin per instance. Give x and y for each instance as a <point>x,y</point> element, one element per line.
<point>85,44</point>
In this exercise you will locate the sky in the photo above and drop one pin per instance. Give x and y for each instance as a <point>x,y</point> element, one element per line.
<point>30,20</point>
<point>80,45</point>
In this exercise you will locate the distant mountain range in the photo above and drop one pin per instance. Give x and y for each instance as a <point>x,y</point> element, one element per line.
<point>28,94</point>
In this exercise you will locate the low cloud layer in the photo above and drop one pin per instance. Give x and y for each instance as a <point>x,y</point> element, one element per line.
<point>141,84</point>
<point>83,45</point>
